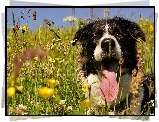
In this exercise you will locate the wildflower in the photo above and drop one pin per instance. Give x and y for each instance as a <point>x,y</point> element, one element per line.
<point>52,82</point>
<point>86,103</point>
<point>141,25</point>
<point>65,53</point>
<point>52,46</point>
<point>9,37</point>
<point>24,28</point>
<point>69,19</point>
<point>17,80</point>
<point>57,59</point>
<point>62,61</point>
<point>8,49</point>
<point>147,20</point>
<point>22,69</point>
<point>51,60</point>
<point>36,58</point>
<point>85,87</point>
<point>151,28</point>
<point>62,102</point>
<point>19,89</point>
<point>46,92</point>
<point>10,91</point>
<point>140,19</point>
<point>69,107</point>
<point>21,50</point>
<point>50,71</point>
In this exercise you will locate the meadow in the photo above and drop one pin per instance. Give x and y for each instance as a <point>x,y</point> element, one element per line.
<point>42,75</point>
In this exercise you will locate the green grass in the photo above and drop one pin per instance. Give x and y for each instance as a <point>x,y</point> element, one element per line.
<point>59,64</point>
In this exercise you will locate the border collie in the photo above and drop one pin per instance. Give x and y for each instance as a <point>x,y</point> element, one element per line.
<point>104,43</point>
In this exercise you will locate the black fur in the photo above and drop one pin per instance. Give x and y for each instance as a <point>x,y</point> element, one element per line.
<point>126,33</point>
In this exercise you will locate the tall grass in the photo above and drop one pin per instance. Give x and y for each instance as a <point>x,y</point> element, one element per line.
<point>59,65</point>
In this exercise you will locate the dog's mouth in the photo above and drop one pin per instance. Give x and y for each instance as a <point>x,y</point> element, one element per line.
<point>109,85</point>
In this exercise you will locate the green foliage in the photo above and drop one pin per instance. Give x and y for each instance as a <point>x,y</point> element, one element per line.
<point>147,48</point>
<point>80,22</point>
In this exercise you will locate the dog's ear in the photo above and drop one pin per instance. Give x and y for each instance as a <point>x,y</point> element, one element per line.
<point>135,31</point>
<point>83,33</point>
<point>132,28</point>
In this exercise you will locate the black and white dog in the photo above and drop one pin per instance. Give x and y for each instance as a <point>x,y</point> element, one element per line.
<point>104,43</point>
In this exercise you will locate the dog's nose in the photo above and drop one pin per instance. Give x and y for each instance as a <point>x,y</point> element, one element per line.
<point>107,44</point>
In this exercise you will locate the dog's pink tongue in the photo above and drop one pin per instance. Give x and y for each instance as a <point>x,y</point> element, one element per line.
<point>109,86</point>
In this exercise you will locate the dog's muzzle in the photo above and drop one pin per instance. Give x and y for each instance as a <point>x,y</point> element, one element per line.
<point>107,44</point>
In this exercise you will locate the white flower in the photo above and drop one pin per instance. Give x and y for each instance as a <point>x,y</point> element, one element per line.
<point>69,108</point>
<point>70,19</point>
<point>61,102</point>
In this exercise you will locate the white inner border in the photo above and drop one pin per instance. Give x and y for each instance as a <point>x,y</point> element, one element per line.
<point>72,118</point>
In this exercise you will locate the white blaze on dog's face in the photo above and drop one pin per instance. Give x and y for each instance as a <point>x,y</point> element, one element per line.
<point>108,48</point>
<point>98,52</point>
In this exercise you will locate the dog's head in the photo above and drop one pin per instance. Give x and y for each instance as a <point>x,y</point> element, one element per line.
<point>108,41</point>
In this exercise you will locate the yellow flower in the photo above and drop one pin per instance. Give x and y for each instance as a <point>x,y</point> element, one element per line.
<point>24,28</point>
<point>9,37</point>
<point>21,50</point>
<point>141,25</point>
<point>22,69</point>
<point>10,91</point>
<point>86,103</point>
<point>50,71</point>
<point>36,58</point>
<point>52,82</point>
<point>8,49</point>
<point>19,88</point>
<point>17,80</point>
<point>62,61</point>
<point>57,59</point>
<point>46,92</point>
<point>52,46</point>
<point>85,87</point>
<point>51,60</point>
<point>151,28</point>
<point>147,20</point>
